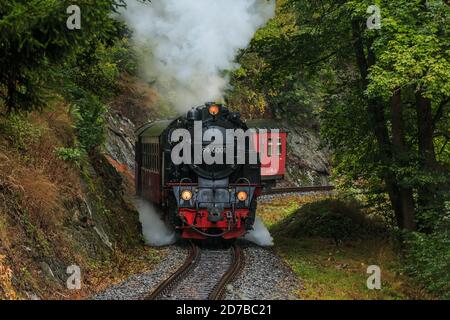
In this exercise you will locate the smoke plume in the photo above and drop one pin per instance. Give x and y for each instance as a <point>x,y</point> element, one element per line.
<point>156,233</point>
<point>190,43</point>
<point>260,234</point>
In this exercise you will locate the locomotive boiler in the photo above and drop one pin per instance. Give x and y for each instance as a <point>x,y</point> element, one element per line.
<point>207,168</point>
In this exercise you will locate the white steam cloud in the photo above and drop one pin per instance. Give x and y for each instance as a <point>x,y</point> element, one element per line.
<point>156,233</point>
<point>260,234</point>
<point>191,42</point>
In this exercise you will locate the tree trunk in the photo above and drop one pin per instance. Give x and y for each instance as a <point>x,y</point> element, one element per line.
<point>406,196</point>
<point>11,94</point>
<point>425,127</point>
<point>427,194</point>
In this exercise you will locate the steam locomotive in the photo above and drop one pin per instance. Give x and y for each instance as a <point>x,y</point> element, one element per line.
<point>207,168</point>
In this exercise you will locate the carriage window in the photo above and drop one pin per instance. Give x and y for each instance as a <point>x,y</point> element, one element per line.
<point>148,156</point>
<point>280,147</point>
<point>151,157</point>
<point>157,159</point>
<point>154,157</point>
<point>269,147</point>
<point>278,150</point>
<point>145,156</point>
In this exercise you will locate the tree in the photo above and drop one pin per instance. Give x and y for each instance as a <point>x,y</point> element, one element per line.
<point>34,37</point>
<point>382,95</point>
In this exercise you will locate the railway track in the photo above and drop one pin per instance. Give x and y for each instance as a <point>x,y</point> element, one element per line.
<point>299,190</point>
<point>204,275</point>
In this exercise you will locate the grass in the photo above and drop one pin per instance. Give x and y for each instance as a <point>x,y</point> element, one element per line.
<point>275,210</point>
<point>6,280</point>
<point>336,272</point>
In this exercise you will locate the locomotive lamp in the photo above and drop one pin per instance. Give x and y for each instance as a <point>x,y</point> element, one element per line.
<point>186,195</point>
<point>214,110</point>
<point>242,196</point>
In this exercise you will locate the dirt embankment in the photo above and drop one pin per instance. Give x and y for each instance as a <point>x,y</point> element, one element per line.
<point>55,214</point>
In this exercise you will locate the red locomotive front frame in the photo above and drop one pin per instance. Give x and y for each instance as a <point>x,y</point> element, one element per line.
<point>198,226</point>
<point>218,211</point>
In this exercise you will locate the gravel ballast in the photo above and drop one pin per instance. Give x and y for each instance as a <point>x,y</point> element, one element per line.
<point>265,276</point>
<point>139,286</point>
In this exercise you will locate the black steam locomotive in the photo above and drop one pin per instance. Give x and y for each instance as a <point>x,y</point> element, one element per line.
<point>177,168</point>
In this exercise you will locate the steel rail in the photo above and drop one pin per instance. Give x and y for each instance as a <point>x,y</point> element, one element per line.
<point>235,267</point>
<point>170,283</point>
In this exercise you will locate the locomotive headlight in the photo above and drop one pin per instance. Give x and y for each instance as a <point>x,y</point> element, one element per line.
<point>186,195</point>
<point>214,110</point>
<point>242,196</point>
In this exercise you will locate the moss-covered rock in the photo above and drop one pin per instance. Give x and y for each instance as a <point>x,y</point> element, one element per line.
<point>333,219</point>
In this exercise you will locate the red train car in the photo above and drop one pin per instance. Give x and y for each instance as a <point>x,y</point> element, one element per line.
<point>271,144</point>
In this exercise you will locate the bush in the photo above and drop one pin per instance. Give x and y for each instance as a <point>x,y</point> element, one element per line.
<point>334,219</point>
<point>428,261</point>
<point>89,114</point>
<point>20,131</point>
<point>428,256</point>
<point>73,155</point>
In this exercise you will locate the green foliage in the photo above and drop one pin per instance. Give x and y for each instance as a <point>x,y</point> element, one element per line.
<point>89,112</point>
<point>73,155</point>
<point>428,260</point>
<point>20,131</point>
<point>123,55</point>
<point>272,81</point>
<point>412,51</point>
<point>39,55</point>
<point>428,255</point>
<point>409,55</point>
<point>97,69</point>
<point>88,81</point>
<point>35,37</point>
<point>334,219</point>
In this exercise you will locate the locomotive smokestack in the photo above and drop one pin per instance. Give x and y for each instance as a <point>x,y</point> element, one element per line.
<point>191,42</point>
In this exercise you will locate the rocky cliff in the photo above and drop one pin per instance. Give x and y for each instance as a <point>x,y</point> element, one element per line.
<point>119,147</point>
<point>308,163</point>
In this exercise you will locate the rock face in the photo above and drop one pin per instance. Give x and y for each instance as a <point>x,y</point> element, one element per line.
<point>307,162</point>
<point>120,139</point>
